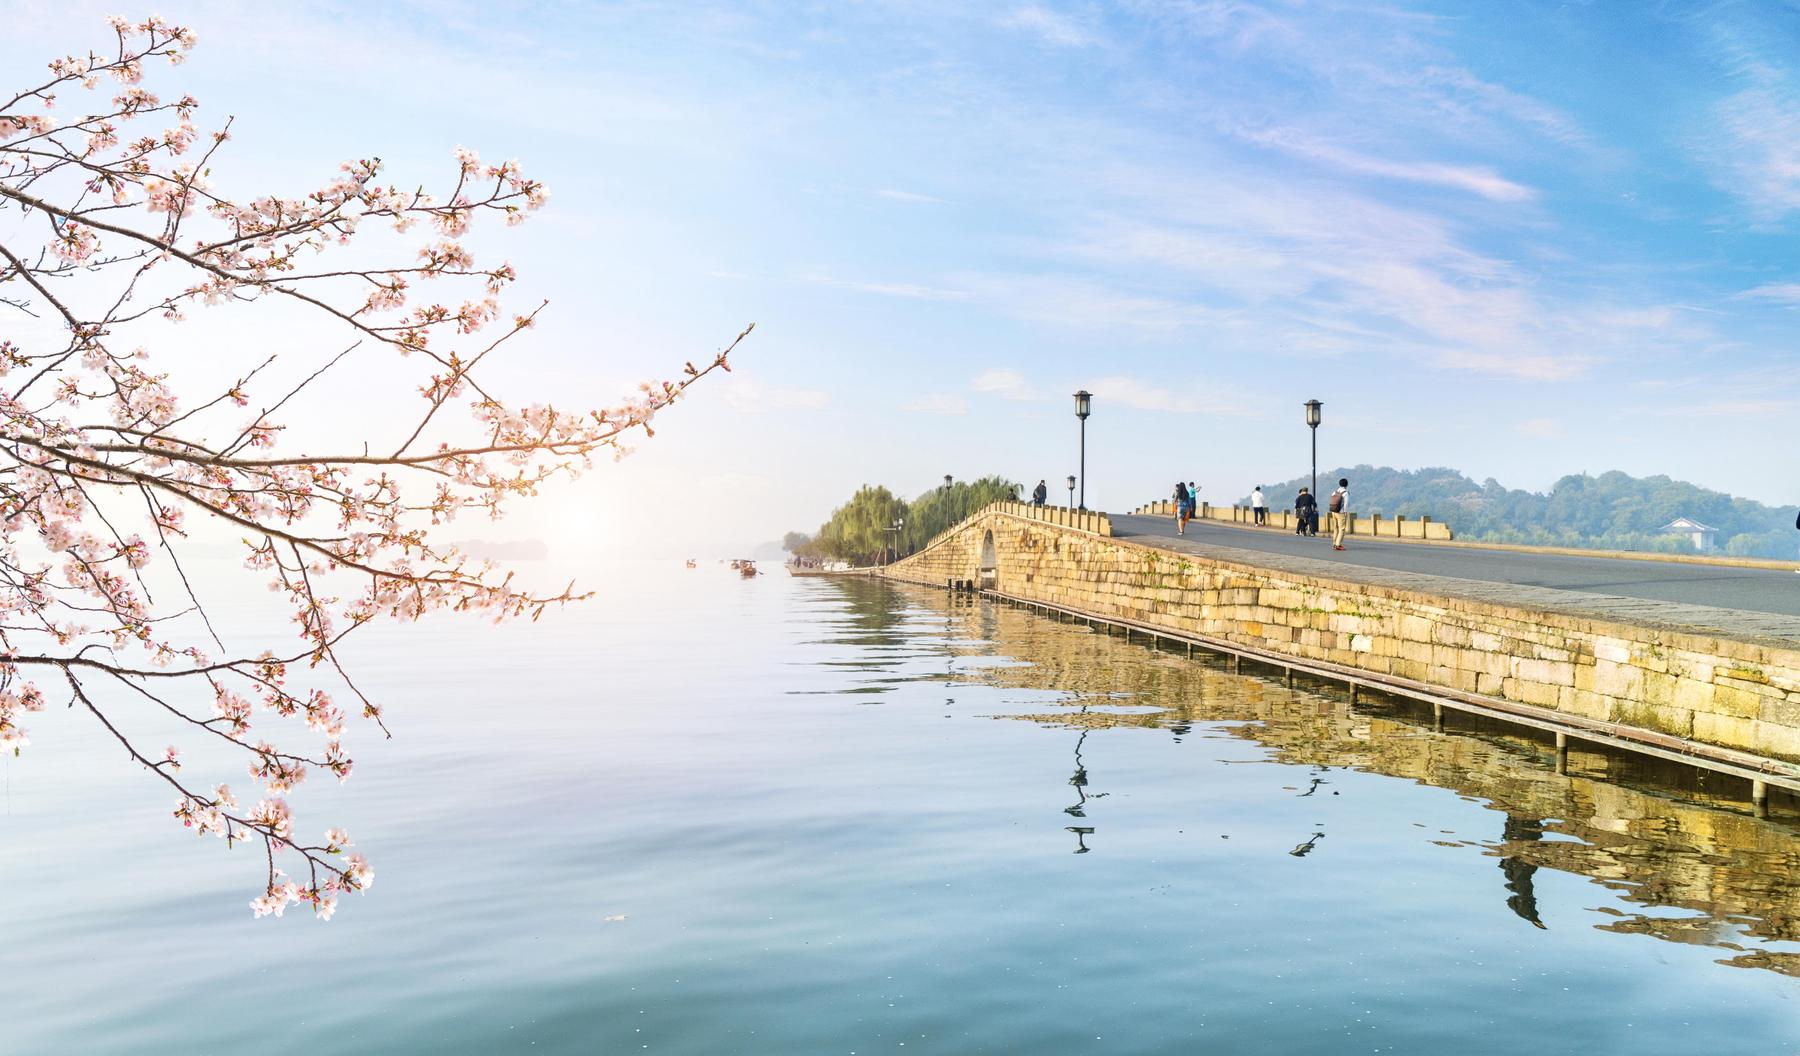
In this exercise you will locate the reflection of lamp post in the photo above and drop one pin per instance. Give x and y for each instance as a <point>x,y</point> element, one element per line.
<point>1313,418</point>
<point>1083,407</point>
<point>1071,491</point>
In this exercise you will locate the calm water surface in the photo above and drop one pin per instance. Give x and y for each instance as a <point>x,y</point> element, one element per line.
<point>842,817</point>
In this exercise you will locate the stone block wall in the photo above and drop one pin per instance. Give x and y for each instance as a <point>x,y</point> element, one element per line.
<point>1727,692</point>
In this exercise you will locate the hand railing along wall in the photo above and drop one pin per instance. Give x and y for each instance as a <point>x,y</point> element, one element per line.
<point>1420,528</point>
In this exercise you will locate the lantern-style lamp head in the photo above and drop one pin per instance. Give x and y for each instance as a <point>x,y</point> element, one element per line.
<point>1313,415</point>
<point>1071,481</point>
<point>1083,404</point>
<point>946,480</point>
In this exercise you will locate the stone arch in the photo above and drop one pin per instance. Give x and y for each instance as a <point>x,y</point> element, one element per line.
<point>990,561</point>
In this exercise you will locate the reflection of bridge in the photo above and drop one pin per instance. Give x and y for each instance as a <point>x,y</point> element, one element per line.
<point>1646,830</point>
<point>1597,649</point>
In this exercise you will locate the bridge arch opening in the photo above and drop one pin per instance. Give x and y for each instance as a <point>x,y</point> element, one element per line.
<point>990,562</point>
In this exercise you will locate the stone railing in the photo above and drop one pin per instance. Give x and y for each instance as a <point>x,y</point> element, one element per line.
<point>1067,517</point>
<point>1417,529</point>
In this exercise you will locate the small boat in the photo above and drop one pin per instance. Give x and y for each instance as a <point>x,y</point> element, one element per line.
<point>691,563</point>
<point>747,569</point>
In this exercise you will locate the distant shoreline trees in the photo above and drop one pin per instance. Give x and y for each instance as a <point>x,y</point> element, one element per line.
<point>859,531</point>
<point>1611,511</point>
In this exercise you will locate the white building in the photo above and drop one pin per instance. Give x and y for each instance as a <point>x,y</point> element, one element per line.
<point>1699,534</point>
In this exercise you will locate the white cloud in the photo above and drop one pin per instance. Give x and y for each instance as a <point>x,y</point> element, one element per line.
<point>907,196</point>
<point>1004,383</point>
<point>1542,428</point>
<point>1784,292</point>
<point>1187,397</point>
<point>1052,27</point>
<point>1477,179</point>
<point>1752,142</point>
<point>1518,366</point>
<point>906,290</point>
<point>944,403</point>
<point>751,396</point>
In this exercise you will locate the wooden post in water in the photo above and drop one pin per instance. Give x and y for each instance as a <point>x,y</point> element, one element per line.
<point>1759,797</point>
<point>1562,752</point>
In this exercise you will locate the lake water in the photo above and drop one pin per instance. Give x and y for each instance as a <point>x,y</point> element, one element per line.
<point>842,817</point>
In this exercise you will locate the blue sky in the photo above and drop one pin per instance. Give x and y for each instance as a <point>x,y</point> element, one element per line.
<point>1519,239</point>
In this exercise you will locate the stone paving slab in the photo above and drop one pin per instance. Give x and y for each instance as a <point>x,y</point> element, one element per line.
<point>1738,624</point>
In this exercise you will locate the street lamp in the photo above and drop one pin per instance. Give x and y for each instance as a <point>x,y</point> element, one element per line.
<point>1083,407</point>
<point>1071,491</point>
<point>946,480</point>
<point>1313,418</point>
<point>894,547</point>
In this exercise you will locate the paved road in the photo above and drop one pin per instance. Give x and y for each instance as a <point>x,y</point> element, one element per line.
<point>1724,587</point>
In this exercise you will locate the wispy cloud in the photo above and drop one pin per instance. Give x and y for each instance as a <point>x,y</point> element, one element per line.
<point>1753,141</point>
<point>1539,428</point>
<point>751,396</point>
<point>1054,28</point>
<point>894,194</point>
<point>907,290</point>
<point>942,403</point>
<point>1185,397</point>
<point>1005,383</point>
<point>1784,292</point>
<point>1476,179</point>
<point>1521,366</point>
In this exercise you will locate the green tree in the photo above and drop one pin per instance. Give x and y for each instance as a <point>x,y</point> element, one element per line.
<point>857,531</point>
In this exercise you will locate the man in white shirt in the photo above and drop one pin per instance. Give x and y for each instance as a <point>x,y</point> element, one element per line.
<point>1259,510</point>
<point>1340,513</point>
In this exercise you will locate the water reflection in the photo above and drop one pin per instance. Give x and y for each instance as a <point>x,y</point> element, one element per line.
<point>1519,871</point>
<point>1662,837</point>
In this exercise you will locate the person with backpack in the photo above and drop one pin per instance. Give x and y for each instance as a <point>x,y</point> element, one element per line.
<point>1306,514</point>
<point>1259,509</point>
<point>1340,513</point>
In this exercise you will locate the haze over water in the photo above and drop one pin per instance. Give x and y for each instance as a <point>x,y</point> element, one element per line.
<point>845,817</point>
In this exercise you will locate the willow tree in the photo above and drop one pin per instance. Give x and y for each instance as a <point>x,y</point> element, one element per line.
<point>115,230</point>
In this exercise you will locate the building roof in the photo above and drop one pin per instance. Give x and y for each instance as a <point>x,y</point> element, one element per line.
<point>1686,524</point>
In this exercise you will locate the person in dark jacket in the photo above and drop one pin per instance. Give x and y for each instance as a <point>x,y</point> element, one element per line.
<point>1306,514</point>
<point>1040,494</point>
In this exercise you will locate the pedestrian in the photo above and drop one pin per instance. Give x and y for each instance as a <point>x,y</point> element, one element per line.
<point>1181,508</point>
<point>1340,513</point>
<point>1306,510</point>
<point>1040,494</point>
<point>1259,509</point>
<point>1193,500</point>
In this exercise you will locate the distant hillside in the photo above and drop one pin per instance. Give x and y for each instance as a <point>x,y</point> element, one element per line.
<point>1613,511</point>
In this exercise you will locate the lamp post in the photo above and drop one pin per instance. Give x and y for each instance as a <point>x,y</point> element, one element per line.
<point>1313,418</point>
<point>946,481</point>
<point>1071,491</point>
<point>894,547</point>
<point>1083,407</point>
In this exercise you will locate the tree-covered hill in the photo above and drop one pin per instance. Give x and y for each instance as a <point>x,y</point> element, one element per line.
<point>1613,511</point>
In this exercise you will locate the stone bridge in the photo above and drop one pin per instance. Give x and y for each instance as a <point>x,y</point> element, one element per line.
<point>1683,679</point>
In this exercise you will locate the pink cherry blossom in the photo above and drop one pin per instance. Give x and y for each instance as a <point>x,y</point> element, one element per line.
<point>115,460</point>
